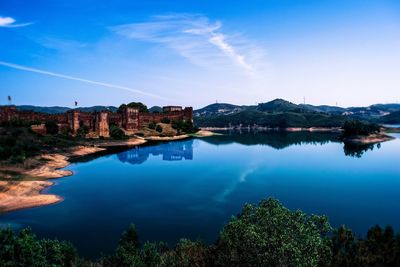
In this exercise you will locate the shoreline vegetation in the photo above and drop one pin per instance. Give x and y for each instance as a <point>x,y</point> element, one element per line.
<point>359,139</point>
<point>23,184</point>
<point>267,234</point>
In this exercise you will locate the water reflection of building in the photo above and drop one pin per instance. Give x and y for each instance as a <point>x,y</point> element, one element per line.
<point>170,151</point>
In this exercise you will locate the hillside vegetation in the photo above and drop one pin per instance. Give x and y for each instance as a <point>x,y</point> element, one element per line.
<point>282,113</point>
<point>271,119</point>
<point>392,118</point>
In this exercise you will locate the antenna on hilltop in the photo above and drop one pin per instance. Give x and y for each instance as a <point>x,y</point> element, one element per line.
<point>9,100</point>
<point>76,103</point>
<point>304,100</point>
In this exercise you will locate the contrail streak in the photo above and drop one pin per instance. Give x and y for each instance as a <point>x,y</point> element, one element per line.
<point>19,67</point>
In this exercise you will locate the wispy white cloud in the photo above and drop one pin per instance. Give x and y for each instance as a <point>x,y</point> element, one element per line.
<point>61,44</point>
<point>194,37</point>
<point>49,73</point>
<point>9,22</point>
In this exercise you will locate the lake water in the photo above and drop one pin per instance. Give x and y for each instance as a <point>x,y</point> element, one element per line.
<point>191,188</point>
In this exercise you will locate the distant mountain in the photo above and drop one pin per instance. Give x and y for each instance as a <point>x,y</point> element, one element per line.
<point>49,110</point>
<point>279,113</point>
<point>58,110</point>
<point>323,108</point>
<point>98,108</point>
<point>387,107</point>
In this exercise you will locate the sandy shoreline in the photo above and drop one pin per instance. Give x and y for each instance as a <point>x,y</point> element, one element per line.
<point>26,191</point>
<point>368,140</point>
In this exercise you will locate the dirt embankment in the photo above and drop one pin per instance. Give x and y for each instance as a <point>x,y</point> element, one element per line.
<point>21,187</point>
<point>369,139</point>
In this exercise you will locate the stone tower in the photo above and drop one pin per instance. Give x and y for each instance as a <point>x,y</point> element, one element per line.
<point>130,118</point>
<point>102,129</point>
<point>73,121</point>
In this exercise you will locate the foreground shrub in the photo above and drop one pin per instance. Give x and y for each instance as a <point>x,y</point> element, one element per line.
<point>272,235</point>
<point>24,249</point>
<point>51,127</point>
<point>117,133</point>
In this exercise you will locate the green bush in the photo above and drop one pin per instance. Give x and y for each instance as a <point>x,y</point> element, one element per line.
<point>142,107</point>
<point>51,127</point>
<point>152,125</point>
<point>272,235</point>
<point>159,128</point>
<point>24,249</point>
<point>117,133</point>
<point>184,126</point>
<point>165,120</point>
<point>353,128</point>
<point>82,131</point>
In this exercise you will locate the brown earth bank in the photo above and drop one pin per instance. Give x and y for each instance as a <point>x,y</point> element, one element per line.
<point>369,139</point>
<point>21,185</point>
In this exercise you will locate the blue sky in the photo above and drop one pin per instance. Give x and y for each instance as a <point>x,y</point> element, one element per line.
<point>197,52</point>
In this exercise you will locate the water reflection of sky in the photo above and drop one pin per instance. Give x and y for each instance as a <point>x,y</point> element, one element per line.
<point>191,188</point>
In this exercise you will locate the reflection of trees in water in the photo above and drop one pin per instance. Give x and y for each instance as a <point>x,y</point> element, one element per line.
<point>282,139</point>
<point>275,139</point>
<point>357,150</point>
<point>178,150</point>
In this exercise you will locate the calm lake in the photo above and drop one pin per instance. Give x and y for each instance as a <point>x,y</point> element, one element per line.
<point>190,188</point>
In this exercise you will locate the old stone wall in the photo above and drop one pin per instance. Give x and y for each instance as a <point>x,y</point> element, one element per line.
<point>97,123</point>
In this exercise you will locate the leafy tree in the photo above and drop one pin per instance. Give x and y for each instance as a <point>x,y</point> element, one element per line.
<point>25,249</point>
<point>159,128</point>
<point>121,108</point>
<point>142,107</point>
<point>152,125</point>
<point>117,133</point>
<point>343,247</point>
<point>127,252</point>
<point>184,126</point>
<point>272,235</point>
<point>165,120</point>
<point>51,127</point>
<point>82,131</point>
<point>352,128</point>
<point>189,253</point>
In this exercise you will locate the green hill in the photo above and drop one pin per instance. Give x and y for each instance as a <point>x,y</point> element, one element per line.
<point>392,118</point>
<point>278,105</point>
<point>266,119</point>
